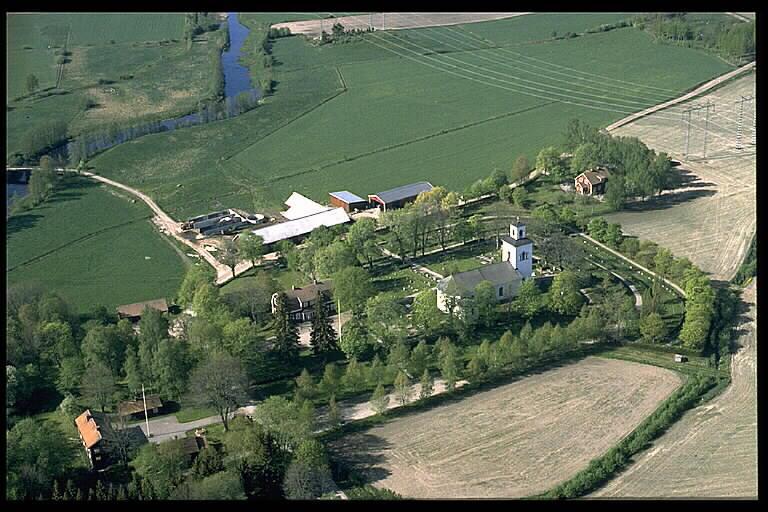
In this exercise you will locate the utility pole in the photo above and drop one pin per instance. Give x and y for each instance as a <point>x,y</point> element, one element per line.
<point>146,416</point>
<point>740,121</point>
<point>706,124</point>
<point>688,129</point>
<point>338,312</point>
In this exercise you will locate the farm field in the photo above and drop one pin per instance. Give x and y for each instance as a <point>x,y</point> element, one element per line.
<point>711,218</point>
<point>164,75</point>
<point>712,450</point>
<point>93,247</point>
<point>513,441</point>
<point>443,134</point>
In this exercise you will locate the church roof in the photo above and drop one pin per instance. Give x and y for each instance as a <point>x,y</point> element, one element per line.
<point>463,284</point>
<point>517,243</point>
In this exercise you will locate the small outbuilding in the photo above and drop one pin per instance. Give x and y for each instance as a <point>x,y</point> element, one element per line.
<point>347,200</point>
<point>680,358</point>
<point>135,408</point>
<point>134,311</point>
<point>400,196</point>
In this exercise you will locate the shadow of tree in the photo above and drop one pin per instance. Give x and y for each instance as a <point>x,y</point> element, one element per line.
<point>668,200</point>
<point>363,453</point>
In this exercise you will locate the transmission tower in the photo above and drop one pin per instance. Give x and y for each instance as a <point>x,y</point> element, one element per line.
<point>706,124</point>
<point>740,121</point>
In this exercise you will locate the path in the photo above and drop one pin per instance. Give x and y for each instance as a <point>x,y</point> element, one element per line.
<point>393,21</point>
<point>712,450</point>
<point>616,253</point>
<point>633,288</point>
<point>699,90</point>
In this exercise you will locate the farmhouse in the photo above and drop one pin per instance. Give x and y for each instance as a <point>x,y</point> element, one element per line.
<point>134,311</point>
<point>592,182</point>
<point>301,301</point>
<point>400,196</point>
<point>100,441</point>
<point>347,200</point>
<point>135,408</point>
<point>457,291</point>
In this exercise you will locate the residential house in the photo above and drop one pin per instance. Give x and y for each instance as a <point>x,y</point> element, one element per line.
<point>301,301</point>
<point>592,182</point>
<point>134,311</point>
<point>101,442</point>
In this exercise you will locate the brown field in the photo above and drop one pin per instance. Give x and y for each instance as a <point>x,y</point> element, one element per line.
<point>394,21</point>
<point>711,218</point>
<point>515,440</point>
<point>712,450</point>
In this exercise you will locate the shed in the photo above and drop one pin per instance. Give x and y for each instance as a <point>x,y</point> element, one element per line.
<point>400,196</point>
<point>347,200</point>
<point>134,311</point>
<point>133,407</point>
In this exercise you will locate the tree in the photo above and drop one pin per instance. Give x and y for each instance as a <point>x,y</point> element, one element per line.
<point>333,258</point>
<point>308,475</point>
<point>485,302</point>
<point>520,197</point>
<point>251,246</point>
<point>37,453</point>
<point>402,387</point>
<point>427,385</point>
<point>379,399</point>
<point>162,465</point>
<point>521,168</point>
<point>419,358</point>
<point>171,368</point>
<point>549,161</point>
<point>286,333</point>
<point>334,414</point>
<point>613,235</point>
<point>70,374</point>
<point>354,339</point>
<point>529,300</point>
<point>616,192</point>
<point>597,228</point>
<point>106,345</point>
<point>219,382</point>
<point>98,385</point>
<point>323,336</point>
<point>352,287</point>
<point>449,365</point>
<point>32,83</point>
<point>564,295</point>
<point>329,384</point>
<point>652,328</point>
<point>305,385</point>
<point>224,485</point>
<point>196,276</point>
<point>284,420</point>
<point>663,261</point>
<point>425,314</point>
<point>239,338</point>
<point>386,319</point>
<point>230,254</point>
<point>359,235</point>
<point>354,377</point>
<point>586,156</point>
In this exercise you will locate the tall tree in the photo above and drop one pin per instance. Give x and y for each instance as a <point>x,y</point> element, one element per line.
<point>564,295</point>
<point>379,399</point>
<point>219,382</point>
<point>323,336</point>
<point>352,287</point>
<point>286,333</point>
<point>485,302</point>
<point>360,233</point>
<point>520,168</point>
<point>230,255</point>
<point>402,387</point>
<point>251,246</point>
<point>354,339</point>
<point>98,385</point>
<point>427,385</point>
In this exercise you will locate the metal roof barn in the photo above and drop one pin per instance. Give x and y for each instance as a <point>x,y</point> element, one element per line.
<point>302,226</point>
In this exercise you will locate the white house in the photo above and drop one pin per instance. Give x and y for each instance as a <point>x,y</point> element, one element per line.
<point>457,290</point>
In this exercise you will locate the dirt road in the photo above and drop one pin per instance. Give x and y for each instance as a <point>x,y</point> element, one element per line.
<point>712,450</point>
<point>393,21</point>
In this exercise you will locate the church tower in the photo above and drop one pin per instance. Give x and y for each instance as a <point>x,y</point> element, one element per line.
<point>517,249</point>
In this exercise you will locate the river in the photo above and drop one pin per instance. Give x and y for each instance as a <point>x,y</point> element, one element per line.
<point>236,80</point>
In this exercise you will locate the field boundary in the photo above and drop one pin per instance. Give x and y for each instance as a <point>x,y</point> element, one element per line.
<point>409,142</point>
<point>76,241</point>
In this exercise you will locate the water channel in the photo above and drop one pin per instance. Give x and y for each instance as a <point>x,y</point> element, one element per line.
<point>237,80</point>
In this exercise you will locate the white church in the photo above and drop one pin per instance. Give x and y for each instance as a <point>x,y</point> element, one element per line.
<point>506,276</point>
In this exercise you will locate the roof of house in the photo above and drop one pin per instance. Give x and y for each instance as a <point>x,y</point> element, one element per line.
<point>88,428</point>
<point>404,192</point>
<point>464,283</point>
<point>307,293</point>
<point>137,308</point>
<point>517,243</point>
<point>302,226</point>
<point>596,176</point>
<point>301,206</point>
<point>190,445</point>
<point>133,406</point>
<point>348,197</point>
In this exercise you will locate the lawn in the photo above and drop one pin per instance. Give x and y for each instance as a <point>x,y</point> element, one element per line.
<point>460,259</point>
<point>93,247</point>
<point>399,118</point>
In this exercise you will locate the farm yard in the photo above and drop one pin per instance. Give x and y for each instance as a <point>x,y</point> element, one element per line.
<point>513,441</point>
<point>711,218</point>
<point>712,450</point>
<point>93,247</point>
<point>340,102</point>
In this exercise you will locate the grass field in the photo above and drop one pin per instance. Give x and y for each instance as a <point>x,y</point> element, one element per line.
<point>408,115</point>
<point>166,77</point>
<point>512,441</point>
<point>93,247</point>
<point>711,452</point>
<point>711,218</point>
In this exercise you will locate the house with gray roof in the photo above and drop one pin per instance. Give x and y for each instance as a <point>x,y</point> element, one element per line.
<point>400,196</point>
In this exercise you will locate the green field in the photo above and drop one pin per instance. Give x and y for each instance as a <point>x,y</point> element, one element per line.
<point>149,70</point>
<point>93,247</point>
<point>400,120</point>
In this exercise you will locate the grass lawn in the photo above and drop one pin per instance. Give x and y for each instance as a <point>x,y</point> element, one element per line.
<point>443,134</point>
<point>460,259</point>
<point>93,247</point>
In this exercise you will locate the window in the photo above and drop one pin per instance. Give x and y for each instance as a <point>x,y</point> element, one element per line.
<point>501,291</point>
<point>523,256</point>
